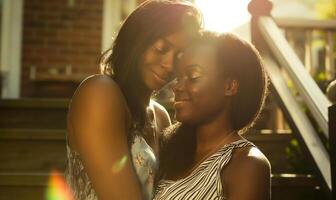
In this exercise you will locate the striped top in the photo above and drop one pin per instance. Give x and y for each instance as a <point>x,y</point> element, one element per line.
<point>204,182</point>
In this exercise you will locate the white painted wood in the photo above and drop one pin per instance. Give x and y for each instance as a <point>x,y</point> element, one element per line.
<point>329,57</point>
<point>111,18</point>
<point>285,22</point>
<point>303,124</point>
<point>111,22</point>
<point>128,6</point>
<point>308,51</point>
<point>11,40</point>
<point>316,101</point>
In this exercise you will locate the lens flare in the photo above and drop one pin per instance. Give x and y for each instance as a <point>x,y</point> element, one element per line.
<point>57,188</point>
<point>119,165</point>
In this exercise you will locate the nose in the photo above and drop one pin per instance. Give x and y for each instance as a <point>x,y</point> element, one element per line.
<point>168,62</point>
<point>178,85</point>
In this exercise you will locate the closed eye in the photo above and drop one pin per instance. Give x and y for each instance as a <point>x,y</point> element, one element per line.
<point>195,73</point>
<point>161,46</point>
<point>161,50</point>
<point>195,76</point>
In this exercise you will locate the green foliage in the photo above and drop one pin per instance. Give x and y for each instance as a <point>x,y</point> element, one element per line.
<point>320,77</point>
<point>326,9</point>
<point>296,158</point>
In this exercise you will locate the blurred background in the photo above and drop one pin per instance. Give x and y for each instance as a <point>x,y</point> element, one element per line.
<point>47,47</point>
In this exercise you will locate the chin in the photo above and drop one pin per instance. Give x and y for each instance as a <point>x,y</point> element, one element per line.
<point>156,85</point>
<point>184,118</point>
<point>151,85</point>
<point>190,118</point>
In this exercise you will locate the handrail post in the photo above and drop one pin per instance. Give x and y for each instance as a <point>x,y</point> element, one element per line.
<point>332,143</point>
<point>331,93</point>
<point>258,8</point>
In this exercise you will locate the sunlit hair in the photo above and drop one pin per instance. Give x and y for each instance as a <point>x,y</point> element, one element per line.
<point>238,60</point>
<point>149,22</point>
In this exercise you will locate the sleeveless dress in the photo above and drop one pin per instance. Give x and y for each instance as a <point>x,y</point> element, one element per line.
<point>144,162</point>
<point>204,182</point>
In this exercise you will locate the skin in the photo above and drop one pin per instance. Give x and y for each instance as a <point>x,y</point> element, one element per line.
<point>202,99</point>
<point>98,119</point>
<point>157,62</point>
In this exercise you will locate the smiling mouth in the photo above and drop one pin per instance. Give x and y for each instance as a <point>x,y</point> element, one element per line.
<point>178,100</point>
<point>161,79</point>
<point>180,104</point>
<point>181,101</point>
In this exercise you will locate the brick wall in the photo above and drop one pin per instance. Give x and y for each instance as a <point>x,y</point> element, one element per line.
<point>56,34</point>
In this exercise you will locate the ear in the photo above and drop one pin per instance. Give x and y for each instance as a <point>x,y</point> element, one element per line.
<point>231,87</point>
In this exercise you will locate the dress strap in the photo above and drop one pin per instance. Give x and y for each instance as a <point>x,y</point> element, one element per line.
<point>225,157</point>
<point>156,131</point>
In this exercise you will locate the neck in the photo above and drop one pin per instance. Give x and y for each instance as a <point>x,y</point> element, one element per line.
<point>142,95</point>
<point>210,134</point>
<point>145,98</point>
<point>139,98</point>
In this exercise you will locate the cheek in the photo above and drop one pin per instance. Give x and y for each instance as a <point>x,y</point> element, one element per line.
<point>195,108</point>
<point>141,64</point>
<point>212,99</point>
<point>206,102</point>
<point>144,66</point>
<point>149,57</point>
<point>145,59</point>
<point>203,95</point>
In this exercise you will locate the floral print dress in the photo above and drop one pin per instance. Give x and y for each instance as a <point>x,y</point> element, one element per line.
<point>144,162</point>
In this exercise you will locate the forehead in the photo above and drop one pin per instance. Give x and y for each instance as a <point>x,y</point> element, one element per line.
<point>202,55</point>
<point>178,40</point>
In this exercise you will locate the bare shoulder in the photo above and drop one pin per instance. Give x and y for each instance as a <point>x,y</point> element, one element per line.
<point>249,162</point>
<point>252,166</point>
<point>96,84</point>
<point>98,97</point>
<point>98,91</point>
<point>252,157</point>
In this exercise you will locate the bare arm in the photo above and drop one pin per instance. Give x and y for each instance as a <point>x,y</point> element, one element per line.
<point>248,177</point>
<point>98,119</point>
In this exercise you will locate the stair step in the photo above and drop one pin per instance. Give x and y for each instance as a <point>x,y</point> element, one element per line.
<point>24,179</point>
<point>296,187</point>
<point>30,150</point>
<point>34,186</point>
<point>33,113</point>
<point>34,103</point>
<point>41,150</point>
<point>31,134</point>
<point>23,186</point>
<point>293,180</point>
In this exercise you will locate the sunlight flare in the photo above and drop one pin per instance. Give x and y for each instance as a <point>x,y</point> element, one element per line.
<point>119,165</point>
<point>223,15</point>
<point>57,188</point>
